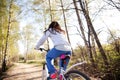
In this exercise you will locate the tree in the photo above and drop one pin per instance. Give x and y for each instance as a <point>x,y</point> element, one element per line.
<point>11,23</point>
<point>66,29</point>
<point>88,45</point>
<point>83,5</point>
<point>27,37</point>
<point>7,36</point>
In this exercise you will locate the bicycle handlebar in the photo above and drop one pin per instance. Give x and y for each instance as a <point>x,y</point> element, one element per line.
<point>41,49</point>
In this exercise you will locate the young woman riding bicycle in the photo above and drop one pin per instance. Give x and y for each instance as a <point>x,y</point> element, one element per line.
<point>61,46</point>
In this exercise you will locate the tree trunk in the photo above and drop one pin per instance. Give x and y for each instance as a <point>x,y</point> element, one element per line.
<point>90,48</point>
<point>7,37</point>
<point>83,35</point>
<point>50,11</point>
<point>93,47</point>
<point>89,23</point>
<point>25,58</point>
<point>66,29</point>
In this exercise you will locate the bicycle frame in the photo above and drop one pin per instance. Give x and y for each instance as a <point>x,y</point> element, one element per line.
<point>61,75</point>
<point>77,64</point>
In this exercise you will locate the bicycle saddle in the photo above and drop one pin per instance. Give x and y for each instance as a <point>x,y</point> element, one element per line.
<point>63,56</point>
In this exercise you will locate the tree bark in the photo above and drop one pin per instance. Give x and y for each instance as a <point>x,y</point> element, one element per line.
<point>90,25</point>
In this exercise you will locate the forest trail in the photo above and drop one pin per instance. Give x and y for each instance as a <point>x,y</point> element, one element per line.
<point>23,71</point>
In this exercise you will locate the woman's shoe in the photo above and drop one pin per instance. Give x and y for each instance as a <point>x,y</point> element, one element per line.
<point>54,75</point>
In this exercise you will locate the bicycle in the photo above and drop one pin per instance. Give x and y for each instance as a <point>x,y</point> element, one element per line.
<point>69,74</point>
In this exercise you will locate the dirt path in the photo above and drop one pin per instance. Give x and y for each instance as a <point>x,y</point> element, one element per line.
<point>24,72</point>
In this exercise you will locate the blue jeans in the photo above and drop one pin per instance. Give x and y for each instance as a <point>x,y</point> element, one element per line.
<point>52,54</point>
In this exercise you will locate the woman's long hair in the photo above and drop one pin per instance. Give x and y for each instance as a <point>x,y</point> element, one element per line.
<point>55,27</point>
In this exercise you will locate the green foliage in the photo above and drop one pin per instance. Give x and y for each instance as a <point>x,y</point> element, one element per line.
<point>3,25</point>
<point>3,8</point>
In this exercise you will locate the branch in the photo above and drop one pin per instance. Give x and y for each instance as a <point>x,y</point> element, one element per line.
<point>113,4</point>
<point>55,9</point>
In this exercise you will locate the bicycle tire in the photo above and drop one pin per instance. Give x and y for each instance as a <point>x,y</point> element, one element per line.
<point>70,75</point>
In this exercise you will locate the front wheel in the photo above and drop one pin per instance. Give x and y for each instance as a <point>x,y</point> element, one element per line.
<point>76,75</point>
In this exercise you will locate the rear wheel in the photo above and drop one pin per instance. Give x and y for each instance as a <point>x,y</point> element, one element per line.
<point>76,75</point>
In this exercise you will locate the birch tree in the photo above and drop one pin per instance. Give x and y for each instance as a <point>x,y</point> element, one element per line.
<point>9,32</point>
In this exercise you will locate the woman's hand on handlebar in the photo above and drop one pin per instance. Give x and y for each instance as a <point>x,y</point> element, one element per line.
<point>41,49</point>
<point>38,49</point>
